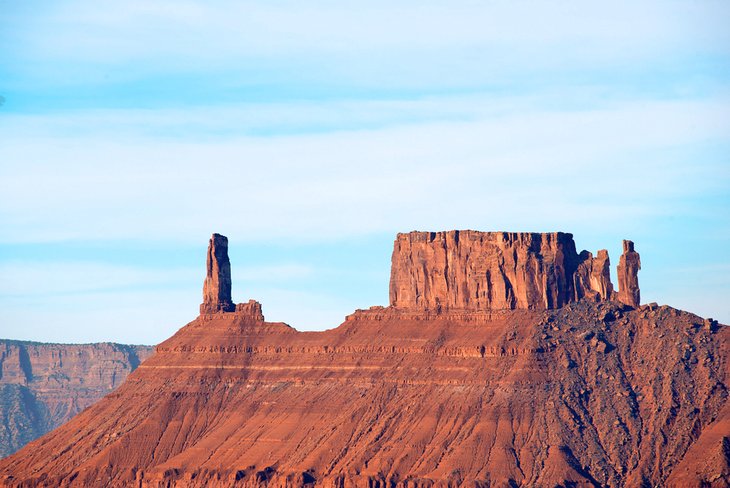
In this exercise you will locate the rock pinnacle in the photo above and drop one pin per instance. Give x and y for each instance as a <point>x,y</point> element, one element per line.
<point>217,285</point>
<point>629,265</point>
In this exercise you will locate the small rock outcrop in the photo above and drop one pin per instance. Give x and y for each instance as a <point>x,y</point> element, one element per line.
<point>217,285</point>
<point>629,265</point>
<point>473,270</point>
<point>252,310</point>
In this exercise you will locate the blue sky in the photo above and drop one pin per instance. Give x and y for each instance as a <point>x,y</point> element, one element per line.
<point>311,134</point>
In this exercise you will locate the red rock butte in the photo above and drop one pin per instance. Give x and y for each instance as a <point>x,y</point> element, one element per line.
<point>472,270</point>
<point>217,285</point>
<point>503,360</point>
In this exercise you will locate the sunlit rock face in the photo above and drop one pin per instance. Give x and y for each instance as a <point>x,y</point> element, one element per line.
<point>472,270</point>
<point>551,384</point>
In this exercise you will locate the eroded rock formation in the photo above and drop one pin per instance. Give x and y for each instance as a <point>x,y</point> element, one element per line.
<point>44,385</point>
<point>629,265</point>
<point>593,393</point>
<point>592,279</point>
<point>473,270</point>
<point>587,395</point>
<point>217,285</point>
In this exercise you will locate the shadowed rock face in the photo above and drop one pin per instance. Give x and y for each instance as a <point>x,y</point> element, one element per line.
<point>473,270</point>
<point>593,277</point>
<point>629,265</point>
<point>593,393</point>
<point>44,385</point>
<point>217,285</point>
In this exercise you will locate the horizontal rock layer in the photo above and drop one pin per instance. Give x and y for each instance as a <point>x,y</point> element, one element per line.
<point>591,394</point>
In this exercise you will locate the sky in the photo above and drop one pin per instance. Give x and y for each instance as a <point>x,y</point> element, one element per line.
<point>310,133</point>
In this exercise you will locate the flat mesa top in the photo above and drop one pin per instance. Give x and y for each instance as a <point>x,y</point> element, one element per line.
<point>426,236</point>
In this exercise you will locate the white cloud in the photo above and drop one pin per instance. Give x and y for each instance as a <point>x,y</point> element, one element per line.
<point>38,278</point>
<point>137,317</point>
<point>538,167</point>
<point>404,43</point>
<point>33,278</point>
<point>216,29</point>
<point>273,273</point>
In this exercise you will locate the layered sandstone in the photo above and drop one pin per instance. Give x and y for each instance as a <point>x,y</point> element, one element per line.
<point>494,270</point>
<point>44,385</point>
<point>217,285</point>
<point>591,394</point>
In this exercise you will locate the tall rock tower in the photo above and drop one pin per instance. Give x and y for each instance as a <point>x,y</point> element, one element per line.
<point>629,265</point>
<point>217,285</point>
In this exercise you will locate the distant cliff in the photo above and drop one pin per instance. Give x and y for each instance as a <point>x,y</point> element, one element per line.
<point>44,385</point>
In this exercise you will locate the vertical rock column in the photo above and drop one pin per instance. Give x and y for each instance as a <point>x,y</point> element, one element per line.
<point>601,276</point>
<point>628,276</point>
<point>217,285</point>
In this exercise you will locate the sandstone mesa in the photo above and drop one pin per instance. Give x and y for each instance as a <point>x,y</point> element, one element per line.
<point>504,359</point>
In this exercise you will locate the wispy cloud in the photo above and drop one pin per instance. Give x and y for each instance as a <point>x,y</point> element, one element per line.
<point>73,301</point>
<point>65,278</point>
<point>87,30</point>
<point>536,166</point>
<point>284,50</point>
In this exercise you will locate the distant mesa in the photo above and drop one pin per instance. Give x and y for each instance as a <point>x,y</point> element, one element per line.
<point>42,386</point>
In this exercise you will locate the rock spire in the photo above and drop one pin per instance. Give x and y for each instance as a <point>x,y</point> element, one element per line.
<point>629,265</point>
<point>217,285</point>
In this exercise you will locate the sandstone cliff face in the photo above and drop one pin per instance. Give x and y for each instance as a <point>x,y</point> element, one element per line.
<point>44,385</point>
<point>217,285</point>
<point>495,270</point>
